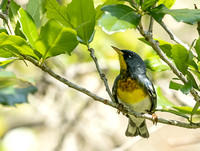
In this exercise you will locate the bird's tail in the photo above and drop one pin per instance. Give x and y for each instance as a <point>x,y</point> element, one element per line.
<point>134,130</point>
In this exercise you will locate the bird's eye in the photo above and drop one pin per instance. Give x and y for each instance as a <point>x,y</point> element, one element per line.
<point>130,56</point>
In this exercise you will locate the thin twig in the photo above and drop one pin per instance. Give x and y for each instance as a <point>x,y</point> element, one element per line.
<point>102,75</point>
<point>6,18</point>
<point>150,30</point>
<point>161,54</point>
<point>107,102</point>
<point>198,23</point>
<point>176,39</point>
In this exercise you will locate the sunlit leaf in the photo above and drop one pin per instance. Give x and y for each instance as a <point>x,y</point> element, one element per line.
<point>189,16</point>
<point>58,12</point>
<point>156,64</point>
<point>180,56</point>
<point>28,27</point>
<point>36,8</point>
<point>174,85</point>
<point>186,110</point>
<point>4,61</point>
<point>82,17</point>
<point>12,45</point>
<point>118,18</point>
<point>167,3</point>
<point>56,39</point>
<point>163,102</point>
<point>195,108</point>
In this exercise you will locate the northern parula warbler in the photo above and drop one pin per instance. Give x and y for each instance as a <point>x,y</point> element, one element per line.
<point>133,89</point>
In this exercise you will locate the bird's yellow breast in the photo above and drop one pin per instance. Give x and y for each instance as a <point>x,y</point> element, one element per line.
<point>129,91</point>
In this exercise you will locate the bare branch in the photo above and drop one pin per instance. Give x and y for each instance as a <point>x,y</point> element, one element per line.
<point>102,76</point>
<point>107,102</point>
<point>150,31</point>
<point>176,39</point>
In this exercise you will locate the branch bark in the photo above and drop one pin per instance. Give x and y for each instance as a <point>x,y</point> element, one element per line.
<point>176,39</point>
<point>101,74</point>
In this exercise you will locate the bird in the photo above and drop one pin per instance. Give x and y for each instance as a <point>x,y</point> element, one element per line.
<point>133,89</point>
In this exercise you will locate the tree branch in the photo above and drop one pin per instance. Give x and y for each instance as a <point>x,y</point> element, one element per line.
<point>174,38</point>
<point>107,102</point>
<point>161,54</point>
<point>102,76</point>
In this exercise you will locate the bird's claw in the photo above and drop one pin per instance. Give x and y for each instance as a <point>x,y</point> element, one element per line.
<point>155,119</point>
<point>120,108</point>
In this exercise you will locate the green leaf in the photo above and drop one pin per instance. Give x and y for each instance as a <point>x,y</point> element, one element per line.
<point>163,102</point>
<point>165,46</point>
<point>11,96</point>
<point>99,12</point>
<point>28,27</point>
<point>186,110</point>
<point>167,3</point>
<point>36,8</point>
<point>174,85</point>
<point>13,13</point>
<point>148,3</point>
<point>185,89</point>
<point>197,48</point>
<point>173,112</point>
<point>11,45</point>
<point>192,64</point>
<point>118,18</point>
<point>156,64</point>
<point>57,12</point>
<point>18,31</point>
<point>2,29</point>
<point>4,61</point>
<point>79,15</point>
<point>195,108</point>
<point>189,16</point>
<point>191,78</point>
<point>180,56</point>
<point>56,39</point>
<point>82,17</point>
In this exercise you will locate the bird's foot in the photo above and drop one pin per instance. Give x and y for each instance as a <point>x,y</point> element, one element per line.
<point>120,108</point>
<point>155,119</point>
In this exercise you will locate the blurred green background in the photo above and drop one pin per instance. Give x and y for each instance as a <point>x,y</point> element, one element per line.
<point>58,118</point>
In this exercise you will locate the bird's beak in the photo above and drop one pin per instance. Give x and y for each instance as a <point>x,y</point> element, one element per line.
<point>117,50</point>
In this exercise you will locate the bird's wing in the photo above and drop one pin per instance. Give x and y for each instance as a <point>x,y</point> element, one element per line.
<point>114,88</point>
<point>148,86</point>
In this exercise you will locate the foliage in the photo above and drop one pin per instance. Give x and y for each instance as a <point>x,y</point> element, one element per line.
<point>73,24</point>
